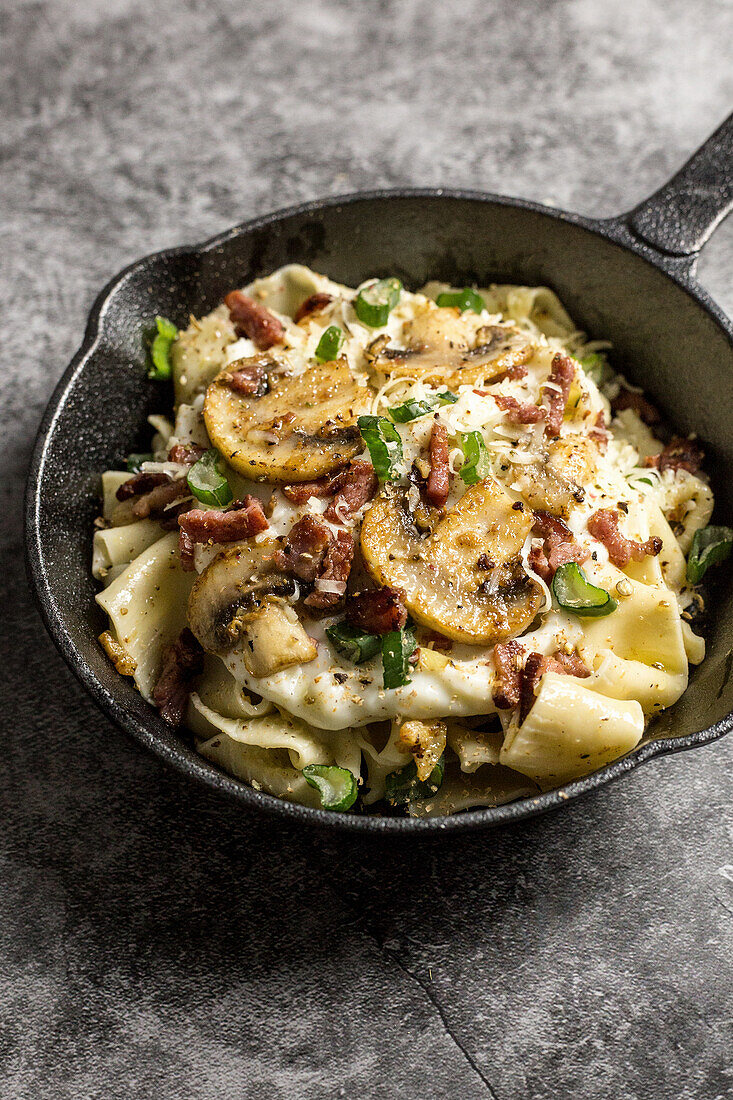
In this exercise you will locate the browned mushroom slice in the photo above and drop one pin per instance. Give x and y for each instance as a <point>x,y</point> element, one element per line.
<point>294,427</point>
<point>466,578</point>
<point>554,482</point>
<point>239,602</point>
<point>447,348</point>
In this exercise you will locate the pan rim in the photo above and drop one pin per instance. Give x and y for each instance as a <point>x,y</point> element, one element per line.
<point>151,732</point>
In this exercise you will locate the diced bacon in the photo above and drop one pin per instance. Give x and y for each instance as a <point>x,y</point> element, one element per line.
<point>186,551</point>
<point>679,454</point>
<point>301,491</point>
<point>599,432</point>
<point>139,484</point>
<point>438,483</point>
<point>559,546</point>
<point>378,611</point>
<point>250,381</point>
<point>519,412</point>
<point>562,373</point>
<point>603,525</point>
<point>572,664</point>
<point>334,574</point>
<point>439,642</point>
<point>251,319</point>
<point>304,548</point>
<point>518,370</point>
<point>358,485</point>
<point>186,454</point>
<point>629,399</point>
<point>313,304</point>
<point>242,520</point>
<point>182,662</point>
<point>156,504</point>
<point>508,657</point>
<point>535,668</point>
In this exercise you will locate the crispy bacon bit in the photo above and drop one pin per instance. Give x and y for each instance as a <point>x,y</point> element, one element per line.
<point>251,319</point>
<point>518,370</point>
<point>508,658</point>
<point>562,373</point>
<point>628,399</point>
<point>186,551</point>
<point>603,525</point>
<point>519,412</point>
<point>186,454</point>
<point>572,664</point>
<point>679,454</point>
<point>378,611</point>
<point>304,549</point>
<point>156,503</point>
<point>331,582</point>
<point>535,668</point>
<point>559,546</point>
<point>250,381</point>
<point>182,662</point>
<point>436,641</point>
<point>599,432</point>
<point>359,484</point>
<point>312,305</point>
<point>242,520</point>
<point>301,491</point>
<point>438,483</point>
<point>139,484</point>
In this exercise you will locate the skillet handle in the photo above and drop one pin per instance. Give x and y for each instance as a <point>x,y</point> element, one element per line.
<point>680,217</point>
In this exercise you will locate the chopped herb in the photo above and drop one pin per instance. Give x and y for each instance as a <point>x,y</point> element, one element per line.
<point>397,648</point>
<point>206,481</point>
<point>463,299</point>
<point>575,593</point>
<point>384,443</point>
<point>336,786</point>
<point>160,370</point>
<point>596,367</point>
<point>413,409</point>
<point>710,545</point>
<point>476,465</point>
<point>353,643</point>
<point>375,302</point>
<point>135,461</point>
<point>330,344</point>
<point>403,786</point>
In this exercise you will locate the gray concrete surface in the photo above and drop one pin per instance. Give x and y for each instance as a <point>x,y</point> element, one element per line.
<point>155,942</point>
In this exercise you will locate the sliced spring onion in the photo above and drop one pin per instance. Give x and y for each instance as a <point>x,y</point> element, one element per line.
<point>384,443</point>
<point>375,302</point>
<point>464,299</point>
<point>135,461</point>
<point>477,465</point>
<point>353,643</point>
<point>336,786</point>
<point>330,344</point>
<point>596,367</point>
<point>574,592</point>
<point>160,370</point>
<point>206,481</point>
<point>397,648</point>
<point>413,409</point>
<point>710,545</point>
<point>403,786</point>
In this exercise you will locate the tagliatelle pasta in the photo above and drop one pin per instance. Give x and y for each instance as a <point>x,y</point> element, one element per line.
<point>443,569</point>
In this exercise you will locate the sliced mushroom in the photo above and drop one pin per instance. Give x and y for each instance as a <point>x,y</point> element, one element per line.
<point>302,426</point>
<point>465,578</point>
<point>239,601</point>
<point>553,482</point>
<point>199,352</point>
<point>426,742</point>
<point>445,347</point>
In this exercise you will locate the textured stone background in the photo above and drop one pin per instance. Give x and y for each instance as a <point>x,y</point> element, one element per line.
<point>155,942</point>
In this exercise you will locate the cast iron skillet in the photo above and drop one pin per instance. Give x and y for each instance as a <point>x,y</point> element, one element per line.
<point>630,279</point>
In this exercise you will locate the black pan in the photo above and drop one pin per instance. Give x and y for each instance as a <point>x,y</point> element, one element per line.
<point>630,279</point>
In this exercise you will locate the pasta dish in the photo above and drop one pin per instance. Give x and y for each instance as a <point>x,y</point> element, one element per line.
<point>400,552</point>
